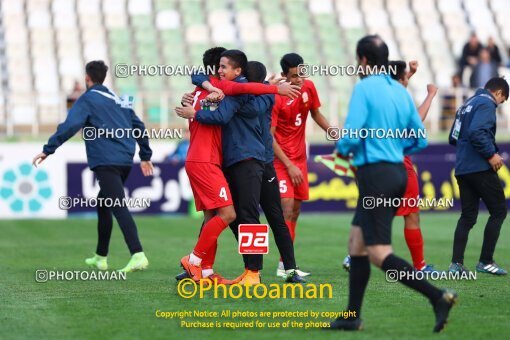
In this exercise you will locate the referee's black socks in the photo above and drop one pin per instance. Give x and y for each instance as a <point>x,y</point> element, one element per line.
<point>394,263</point>
<point>359,274</point>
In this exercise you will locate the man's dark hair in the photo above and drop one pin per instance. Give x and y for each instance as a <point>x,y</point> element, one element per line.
<point>96,70</point>
<point>236,59</point>
<point>397,69</point>
<point>374,49</point>
<point>211,58</point>
<point>496,84</point>
<point>289,61</point>
<point>256,72</point>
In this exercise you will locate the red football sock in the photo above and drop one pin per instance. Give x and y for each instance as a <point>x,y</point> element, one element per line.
<point>292,231</point>
<point>414,240</point>
<point>293,225</point>
<point>209,236</point>
<point>210,256</point>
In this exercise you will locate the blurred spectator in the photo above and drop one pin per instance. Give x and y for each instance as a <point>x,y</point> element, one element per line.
<point>508,64</point>
<point>484,70</point>
<point>73,96</point>
<point>180,152</point>
<point>494,51</point>
<point>456,81</point>
<point>451,99</point>
<point>470,54</point>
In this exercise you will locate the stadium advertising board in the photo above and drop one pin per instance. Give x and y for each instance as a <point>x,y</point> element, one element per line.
<point>28,192</point>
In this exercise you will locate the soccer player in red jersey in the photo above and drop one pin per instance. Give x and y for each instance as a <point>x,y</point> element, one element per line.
<point>288,128</point>
<point>412,231</point>
<point>203,166</point>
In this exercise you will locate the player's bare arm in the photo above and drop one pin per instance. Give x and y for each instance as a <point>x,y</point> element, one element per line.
<point>284,88</point>
<point>186,112</point>
<point>39,159</point>
<point>295,173</point>
<point>288,90</point>
<point>413,67</point>
<point>214,97</point>
<point>187,98</point>
<point>496,162</point>
<point>319,118</point>
<point>273,80</point>
<point>423,109</point>
<point>147,168</point>
<point>206,85</point>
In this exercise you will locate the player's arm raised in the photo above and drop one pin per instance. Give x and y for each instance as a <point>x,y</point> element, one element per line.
<point>423,109</point>
<point>413,67</point>
<point>418,143</point>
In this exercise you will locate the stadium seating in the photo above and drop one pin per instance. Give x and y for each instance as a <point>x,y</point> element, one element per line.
<point>45,44</point>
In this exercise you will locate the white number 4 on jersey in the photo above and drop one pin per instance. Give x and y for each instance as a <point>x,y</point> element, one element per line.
<point>223,193</point>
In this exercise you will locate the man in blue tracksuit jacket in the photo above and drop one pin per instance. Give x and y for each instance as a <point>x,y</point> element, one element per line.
<point>379,102</point>
<point>108,123</point>
<point>477,162</point>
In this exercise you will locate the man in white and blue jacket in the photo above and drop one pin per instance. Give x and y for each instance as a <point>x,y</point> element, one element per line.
<point>474,135</point>
<point>108,124</point>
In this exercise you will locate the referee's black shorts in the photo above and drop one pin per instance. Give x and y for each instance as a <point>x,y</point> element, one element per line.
<point>379,180</point>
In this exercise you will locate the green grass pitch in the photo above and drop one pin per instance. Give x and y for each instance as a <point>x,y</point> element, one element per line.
<point>126,309</point>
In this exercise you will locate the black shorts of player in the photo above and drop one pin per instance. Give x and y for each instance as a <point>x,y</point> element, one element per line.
<point>385,181</point>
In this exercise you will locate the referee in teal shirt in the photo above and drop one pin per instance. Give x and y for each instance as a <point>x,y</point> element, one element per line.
<point>381,103</point>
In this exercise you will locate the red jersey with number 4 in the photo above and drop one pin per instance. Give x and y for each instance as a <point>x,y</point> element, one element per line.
<point>289,117</point>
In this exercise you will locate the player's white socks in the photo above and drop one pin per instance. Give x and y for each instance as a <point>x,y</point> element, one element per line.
<point>280,265</point>
<point>207,272</point>
<point>194,260</point>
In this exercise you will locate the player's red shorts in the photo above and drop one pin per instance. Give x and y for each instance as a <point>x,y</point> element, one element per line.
<point>209,186</point>
<point>287,190</point>
<point>412,190</point>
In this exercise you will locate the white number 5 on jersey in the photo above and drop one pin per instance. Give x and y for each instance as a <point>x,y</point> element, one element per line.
<point>283,186</point>
<point>298,121</point>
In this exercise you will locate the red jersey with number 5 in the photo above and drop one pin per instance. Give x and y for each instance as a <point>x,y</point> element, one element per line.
<point>289,117</point>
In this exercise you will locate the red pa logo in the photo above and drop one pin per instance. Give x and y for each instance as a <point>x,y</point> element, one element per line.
<point>253,239</point>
